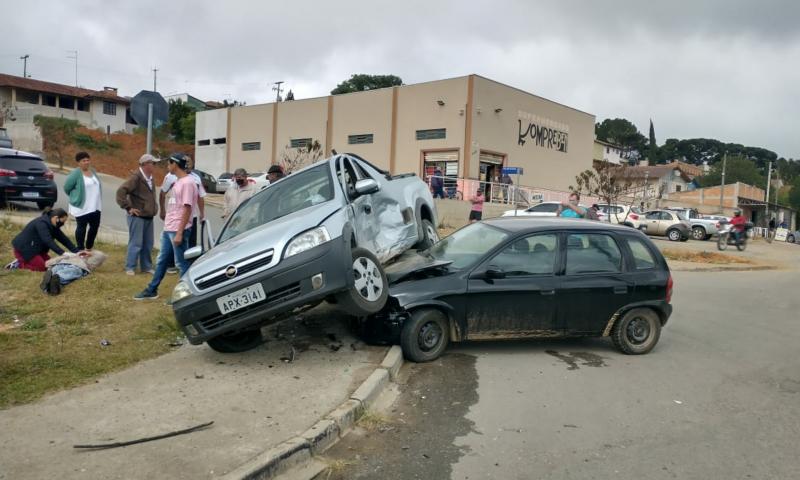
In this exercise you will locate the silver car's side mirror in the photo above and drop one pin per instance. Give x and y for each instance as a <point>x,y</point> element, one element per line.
<point>367,186</point>
<point>193,253</point>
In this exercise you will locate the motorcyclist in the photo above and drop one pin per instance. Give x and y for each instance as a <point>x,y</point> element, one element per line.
<point>737,225</point>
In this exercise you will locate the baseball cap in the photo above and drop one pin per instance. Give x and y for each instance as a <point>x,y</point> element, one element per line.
<point>148,158</point>
<point>275,169</point>
<point>181,159</point>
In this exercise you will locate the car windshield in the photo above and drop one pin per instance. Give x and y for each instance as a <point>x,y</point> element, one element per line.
<point>292,194</point>
<point>467,246</point>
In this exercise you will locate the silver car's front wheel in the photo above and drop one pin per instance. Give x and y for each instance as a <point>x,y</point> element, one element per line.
<point>369,282</point>
<point>370,289</point>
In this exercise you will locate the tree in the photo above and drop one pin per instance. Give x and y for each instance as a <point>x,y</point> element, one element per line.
<point>293,159</point>
<point>180,121</point>
<point>360,82</point>
<point>794,194</point>
<point>607,181</point>
<point>290,96</point>
<point>737,169</point>
<point>56,134</point>
<point>623,133</point>
<point>652,147</point>
<point>7,113</point>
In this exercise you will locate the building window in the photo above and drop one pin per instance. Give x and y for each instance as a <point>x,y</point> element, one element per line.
<point>203,143</point>
<point>26,96</point>
<point>433,134</point>
<point>49,100</point>
<point>109,108</point>
<point>83,106</point>
<point>66,102</point>
<point>248,146</point>
<point>300,142</point>
<point>356,139</point>
<point>220,141</point>
<point>677,188</point>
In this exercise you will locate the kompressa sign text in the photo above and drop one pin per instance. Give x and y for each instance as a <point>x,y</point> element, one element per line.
<point>542,132</point>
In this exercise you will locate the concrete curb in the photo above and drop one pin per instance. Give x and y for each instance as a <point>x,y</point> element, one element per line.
<point>289,457</point>
<point>726,269</point>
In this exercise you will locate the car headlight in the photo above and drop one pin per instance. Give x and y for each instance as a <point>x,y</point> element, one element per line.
<point>181,291</point>
<point>307,240</point>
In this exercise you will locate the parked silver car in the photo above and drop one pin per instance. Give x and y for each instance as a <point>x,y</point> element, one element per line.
<point>322,233</point>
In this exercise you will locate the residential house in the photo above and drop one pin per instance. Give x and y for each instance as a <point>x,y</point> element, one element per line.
<point>100,109</point>
<point>608,152</point>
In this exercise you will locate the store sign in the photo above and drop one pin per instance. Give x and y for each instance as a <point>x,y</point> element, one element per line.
<point>542,132</point>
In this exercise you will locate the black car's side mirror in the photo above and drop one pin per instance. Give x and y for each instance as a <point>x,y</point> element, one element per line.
<point>494,272</point>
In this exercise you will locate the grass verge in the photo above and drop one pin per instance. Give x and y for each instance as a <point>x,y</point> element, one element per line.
<point>702,257</point>
<point>51,343</point>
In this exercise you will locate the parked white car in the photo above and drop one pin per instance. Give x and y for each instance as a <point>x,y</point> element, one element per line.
<point>621,214</point>
<point>544,209</point>
<point>259,179</point>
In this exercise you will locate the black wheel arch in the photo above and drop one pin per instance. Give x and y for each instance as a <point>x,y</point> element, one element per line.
<point>656,307</point>
<point>456,333</point>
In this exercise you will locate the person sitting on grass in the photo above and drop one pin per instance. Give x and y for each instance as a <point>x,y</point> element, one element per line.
<point>32,245</point>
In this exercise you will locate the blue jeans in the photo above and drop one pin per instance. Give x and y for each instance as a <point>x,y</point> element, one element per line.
<point>140,243</point>
<point>169,250</point>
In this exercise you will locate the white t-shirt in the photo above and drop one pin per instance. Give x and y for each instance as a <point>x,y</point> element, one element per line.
<point>169,181</point>
<point>91,198</point>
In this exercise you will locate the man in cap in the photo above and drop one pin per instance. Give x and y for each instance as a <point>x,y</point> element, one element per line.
<point>137,196</point>
<point>274,173</point>
<point>200,207</point>
<point>241,191</point>
<point>177,221</point>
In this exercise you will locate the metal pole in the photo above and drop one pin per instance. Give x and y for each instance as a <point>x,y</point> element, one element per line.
<point>722,186</point>
<point>155,70</point>
<point>149,127</point>
<point>769,177</point>
<point>24,59</point>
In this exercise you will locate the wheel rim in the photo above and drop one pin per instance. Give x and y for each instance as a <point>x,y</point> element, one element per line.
<point>698,234</point>
<point>369,283</point>
<point>430,232</point>
<point>638,331</point>
<point>430,336</point>
<point>674,235</point>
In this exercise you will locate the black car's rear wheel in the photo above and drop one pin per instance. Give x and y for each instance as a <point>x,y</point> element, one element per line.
<point>371,288</point>
<point>425,335</point>
<point>637,332</point>
<point>236,342</point>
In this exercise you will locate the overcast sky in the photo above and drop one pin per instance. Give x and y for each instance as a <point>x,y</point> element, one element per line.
<point>725,69</point>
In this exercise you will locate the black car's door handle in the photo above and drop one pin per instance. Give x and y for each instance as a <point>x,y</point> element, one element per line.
<point>367,209</point>
<point>548,292</point>
<point>620,289</point>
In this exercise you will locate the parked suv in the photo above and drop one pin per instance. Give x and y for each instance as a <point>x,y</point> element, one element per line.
<point>673,225</point>
<point>322,233</point>
<point>24,177</point>
<point>523,278</point>
<point>702,228</point>
<point>621,214</point>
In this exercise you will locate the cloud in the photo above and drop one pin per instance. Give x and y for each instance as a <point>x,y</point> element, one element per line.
<point>722,69</point>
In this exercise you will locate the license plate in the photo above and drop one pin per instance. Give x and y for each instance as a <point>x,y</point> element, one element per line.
<point>241,298</point>
<point>30,194</point>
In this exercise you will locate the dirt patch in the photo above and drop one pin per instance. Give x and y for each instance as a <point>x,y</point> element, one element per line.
<point>711,258</point>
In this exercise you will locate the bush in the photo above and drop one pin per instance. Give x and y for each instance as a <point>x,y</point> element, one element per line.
<point>87,142</point>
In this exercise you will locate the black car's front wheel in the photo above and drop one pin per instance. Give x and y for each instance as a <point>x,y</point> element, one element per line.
<point>425,335</point>
<point>370,289</point>
<point>637,332</point>
<point>236,342</point>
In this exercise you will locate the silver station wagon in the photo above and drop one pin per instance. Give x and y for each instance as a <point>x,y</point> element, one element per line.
<point>322,233</point>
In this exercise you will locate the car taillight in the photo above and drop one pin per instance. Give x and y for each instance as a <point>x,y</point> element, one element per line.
<point>669,289</point>
<point>717,225</point>
<point>7,173</point>
<point>48,174</point>
<point>634,216</point>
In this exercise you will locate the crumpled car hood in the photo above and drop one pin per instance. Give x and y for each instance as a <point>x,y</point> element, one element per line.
<point>412,262</point>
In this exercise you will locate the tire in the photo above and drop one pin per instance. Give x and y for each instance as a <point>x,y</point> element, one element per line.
<point>637,332</point>
<point>43,205</point>
<point>371,288</point>
<point>674,234</point>
<point>429,236</point>
<point>741,245</point>
<point>722,241</point>
<point>790,238</point>
<point>236,342</point>
<point>699,233</point>
<point>425,335</point>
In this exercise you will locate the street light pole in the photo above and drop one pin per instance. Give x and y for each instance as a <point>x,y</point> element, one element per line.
<point>722,186</point>
<point>24,59</point>
<point>769,177</point>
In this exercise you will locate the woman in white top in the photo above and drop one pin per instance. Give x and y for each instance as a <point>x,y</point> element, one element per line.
<point>85,198</point>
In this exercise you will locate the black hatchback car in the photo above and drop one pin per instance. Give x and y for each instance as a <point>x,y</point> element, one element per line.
<point>527,277</point>
<point>24,177</point>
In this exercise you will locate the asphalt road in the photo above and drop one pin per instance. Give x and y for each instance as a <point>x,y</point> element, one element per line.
<point>719,397</point>
<point>113,217</point>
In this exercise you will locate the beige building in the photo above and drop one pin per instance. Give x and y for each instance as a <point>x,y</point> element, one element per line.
<point>468,126</point>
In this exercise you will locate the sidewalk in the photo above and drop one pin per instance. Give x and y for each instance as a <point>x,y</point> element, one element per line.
<point>255,399</point>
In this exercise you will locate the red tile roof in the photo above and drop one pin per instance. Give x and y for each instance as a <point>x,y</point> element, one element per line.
<point>58,89</point>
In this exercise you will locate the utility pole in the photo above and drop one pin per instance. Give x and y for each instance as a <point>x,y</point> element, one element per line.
<point>155,73</point>
<point>722,187</point>
<point>278,89</point>
<point>76,64</point>
<point>769,177</point>
<point>24,59</point>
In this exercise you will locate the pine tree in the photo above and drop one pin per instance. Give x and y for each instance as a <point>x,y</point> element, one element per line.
<point>652,149</point>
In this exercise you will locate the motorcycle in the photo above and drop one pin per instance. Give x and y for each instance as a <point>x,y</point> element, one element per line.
<point>726,236</point>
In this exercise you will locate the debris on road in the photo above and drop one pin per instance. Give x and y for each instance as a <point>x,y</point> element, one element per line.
<point>146,439</point>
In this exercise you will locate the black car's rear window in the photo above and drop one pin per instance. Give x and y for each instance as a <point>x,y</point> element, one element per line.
<point>642,257</point>
<point>22,164</point>
<point>592,253</point>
